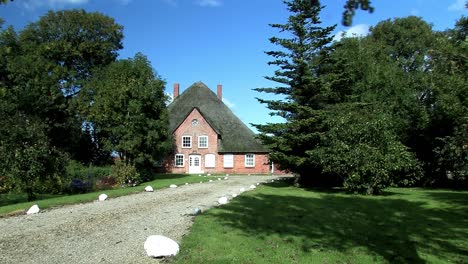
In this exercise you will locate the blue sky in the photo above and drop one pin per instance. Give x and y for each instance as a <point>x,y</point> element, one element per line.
<point>221,41</point>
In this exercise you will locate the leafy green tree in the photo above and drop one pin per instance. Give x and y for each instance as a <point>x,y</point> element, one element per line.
<point>74,42</point>
<point>420,83</point>
<point>27,160</point>
<point>336,131</point>
<point>56,55</point>
<point>125,103</point>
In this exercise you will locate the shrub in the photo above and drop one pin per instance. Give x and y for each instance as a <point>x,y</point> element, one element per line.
<point>106,183</point>
<point>82,179</point>
<point>126,174</point>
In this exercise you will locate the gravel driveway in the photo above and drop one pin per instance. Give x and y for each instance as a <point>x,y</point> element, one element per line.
<point>112,231</point>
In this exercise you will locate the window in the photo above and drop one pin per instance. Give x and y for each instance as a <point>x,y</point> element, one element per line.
<point>203,141</point>
<point>186,142</point>
<point>210,161</point>
<point>195,122</point>
<point>249,160</point>
<point>228,161</point>
<point>179,160</point>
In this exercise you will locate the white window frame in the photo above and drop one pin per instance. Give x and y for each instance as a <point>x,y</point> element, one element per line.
<point>210,161</point>
<point>183,160</point>
<point>249,157</point>
<point>183,137</point>
<point>199,145</point>
<point>229,164</point>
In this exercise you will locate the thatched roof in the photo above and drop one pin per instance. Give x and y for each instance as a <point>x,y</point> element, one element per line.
<point>235,136</point>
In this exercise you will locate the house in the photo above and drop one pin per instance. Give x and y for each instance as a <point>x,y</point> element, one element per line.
<point>209,138</point>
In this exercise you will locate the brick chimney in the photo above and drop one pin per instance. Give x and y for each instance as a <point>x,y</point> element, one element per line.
<point>220,92</point>
<point>176,90</point>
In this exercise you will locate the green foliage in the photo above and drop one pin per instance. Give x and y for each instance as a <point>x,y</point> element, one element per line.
<point>82,179</point>
<point>41,69</point>
<point>126,174</point>
<point>303,103</point>
<point>27,160</point>
<point>420,85</point>
<point>361,149</point>
<point>367,113</point>
<point>125,103</point>
<point>46,65</point>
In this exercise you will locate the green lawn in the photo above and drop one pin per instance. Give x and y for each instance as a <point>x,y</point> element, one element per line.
<point>278,223</point>
<point>16,203</point>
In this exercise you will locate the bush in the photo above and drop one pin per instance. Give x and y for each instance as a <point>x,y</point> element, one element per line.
<point>126,174</point>
<point>362,150</point>
<point>82,179</point>
<point>106,183</point>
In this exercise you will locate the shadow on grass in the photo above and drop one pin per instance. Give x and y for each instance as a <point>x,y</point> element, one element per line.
<point>395,229</point>
<point>449,197</point>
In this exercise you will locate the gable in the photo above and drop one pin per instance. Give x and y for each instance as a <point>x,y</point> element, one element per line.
<point>235,136</point>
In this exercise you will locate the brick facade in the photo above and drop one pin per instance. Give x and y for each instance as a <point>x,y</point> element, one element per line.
<point>203,128</point>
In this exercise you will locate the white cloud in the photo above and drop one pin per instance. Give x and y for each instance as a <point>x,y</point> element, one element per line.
<point>209,3</point>
<point>458,5</point>
<point>359,30</point>
<point>228,103</point>
<point>33,4</point>
<point>414,12</point>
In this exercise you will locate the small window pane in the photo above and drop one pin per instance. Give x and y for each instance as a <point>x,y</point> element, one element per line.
<point>186,142</point>
<point>249,160</point>
<point>179,160</point>
<point>203,141</point>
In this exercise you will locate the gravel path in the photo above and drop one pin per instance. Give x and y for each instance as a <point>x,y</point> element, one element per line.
<point>112,231</point>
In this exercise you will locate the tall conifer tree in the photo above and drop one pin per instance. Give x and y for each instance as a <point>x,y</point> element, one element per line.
<point>304,92</point>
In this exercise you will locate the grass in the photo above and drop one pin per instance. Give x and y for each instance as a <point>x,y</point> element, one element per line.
<point>16,203</point>
<point>278,223</point>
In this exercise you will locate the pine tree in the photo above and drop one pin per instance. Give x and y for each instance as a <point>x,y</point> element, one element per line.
<point>303,92</point>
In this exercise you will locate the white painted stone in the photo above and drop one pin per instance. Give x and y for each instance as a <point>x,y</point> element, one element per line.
<point>252,187</point>
<point>102,197</point>
<point>242,190</point>
<point>149,189</point>
<point>33,210</point>
<point>199,175</point>
<point>172,186</point>
<point>223,200</point>
<point>219,179</point>
<point>258,183</point>
<point>201,182</point>
<point>211,181</point>
<point>234,195</point>
<point>226,177</point>
<point>186,183</point>
<point>196,211</point>
<point>209,174</point>
<point>161,246</point>
<point>227,174</point>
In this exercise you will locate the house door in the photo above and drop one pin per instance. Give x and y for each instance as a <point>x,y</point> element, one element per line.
<point>195,164</point>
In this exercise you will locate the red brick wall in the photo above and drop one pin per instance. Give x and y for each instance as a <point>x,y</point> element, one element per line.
<point>204,129</point>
